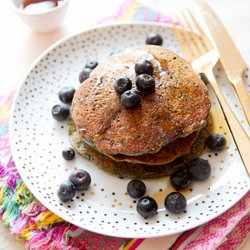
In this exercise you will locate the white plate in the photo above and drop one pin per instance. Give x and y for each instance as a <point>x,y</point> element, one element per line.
<point>37,141</point>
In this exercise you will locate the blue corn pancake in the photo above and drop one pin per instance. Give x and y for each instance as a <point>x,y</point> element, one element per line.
<point>178,106</point>
<point>166,154</point>
<point>158,131</point>
<point>137,170</point>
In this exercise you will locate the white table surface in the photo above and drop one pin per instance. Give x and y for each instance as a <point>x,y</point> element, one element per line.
<point>19,46</point>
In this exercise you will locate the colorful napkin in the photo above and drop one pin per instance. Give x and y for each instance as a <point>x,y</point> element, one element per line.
<point>39,228</point>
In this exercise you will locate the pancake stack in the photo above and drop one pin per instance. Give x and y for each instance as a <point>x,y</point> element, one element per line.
<point>158,136</point>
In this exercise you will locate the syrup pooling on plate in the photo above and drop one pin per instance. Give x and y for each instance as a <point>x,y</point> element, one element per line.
<point>220,125</point>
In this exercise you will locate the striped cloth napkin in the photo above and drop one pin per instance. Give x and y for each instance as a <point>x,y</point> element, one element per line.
<point>39,228</point>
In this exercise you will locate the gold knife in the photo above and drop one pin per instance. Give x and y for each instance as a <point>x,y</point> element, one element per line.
<point>230,57</point>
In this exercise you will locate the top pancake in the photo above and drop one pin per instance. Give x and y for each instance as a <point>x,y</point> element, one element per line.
<point>178,106</point>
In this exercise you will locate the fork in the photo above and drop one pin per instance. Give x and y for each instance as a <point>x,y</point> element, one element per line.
<point>203,58</point>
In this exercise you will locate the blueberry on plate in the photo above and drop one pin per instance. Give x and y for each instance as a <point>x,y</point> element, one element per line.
<point>60,112</point>
<point>180,180</point>
<point>66,94</point>
<point>68,154</point>
<point>81,179</point>
<point>154,39</point>
<point>199,169</point>
<point>175,202</point>
<point>84,74</point>
<point>145,82</point>
<point>66,191</point>
<point>122,84</point>
<point>216,142</point>
<point>130,98</point>
<point>91,64</point>
<point>146,207</point>
<point>136,189</point>
<point>144,67</point>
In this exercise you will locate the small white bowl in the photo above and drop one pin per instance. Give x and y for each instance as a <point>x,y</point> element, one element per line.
<point>44,22</point>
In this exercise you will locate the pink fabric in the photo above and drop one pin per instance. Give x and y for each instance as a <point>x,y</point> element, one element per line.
<point>237,237</point>
<point>214,231</point>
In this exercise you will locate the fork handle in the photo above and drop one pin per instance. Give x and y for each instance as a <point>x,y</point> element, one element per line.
<point>239,134</point>
<point>243,97</point>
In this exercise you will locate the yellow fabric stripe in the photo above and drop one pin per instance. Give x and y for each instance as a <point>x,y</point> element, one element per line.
<point>5,111</point>
<point>130,244</point>
<point>2,194</point>
<point>50,218</point>
<point>129,14</point>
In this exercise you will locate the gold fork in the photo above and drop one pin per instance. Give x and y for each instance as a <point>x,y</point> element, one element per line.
<point>203,61</point>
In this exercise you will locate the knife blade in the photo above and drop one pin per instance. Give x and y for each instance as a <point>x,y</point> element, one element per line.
<point>230,57</point>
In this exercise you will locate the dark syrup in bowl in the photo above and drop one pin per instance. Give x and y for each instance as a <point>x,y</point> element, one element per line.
<point>38,6</point>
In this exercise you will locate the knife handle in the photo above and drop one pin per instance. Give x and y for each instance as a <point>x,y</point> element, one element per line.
<point>244,97</point>
<point>240,136</point>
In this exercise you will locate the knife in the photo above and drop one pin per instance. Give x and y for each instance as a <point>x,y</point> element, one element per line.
<point>231,59</point>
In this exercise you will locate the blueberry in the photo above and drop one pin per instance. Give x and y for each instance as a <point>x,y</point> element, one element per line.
<point>130,98</point>
<point>144,67</point>
<point>60,112</point>
<point>114,52</point>
<point>180,180</point>
<point>84,74</point>
<point>66,191</point>
<point>145,82</point>
<point>199,169</point>
<point>216,142</point>
<point>68,154</point>
<point>91,64</point>
<point>175,202</point>
<point>122,84</point>
<point>146,207</point>
<point>136,189</point>
<point>80,178</point>
<point>66,94</point>
<point>154,39</point>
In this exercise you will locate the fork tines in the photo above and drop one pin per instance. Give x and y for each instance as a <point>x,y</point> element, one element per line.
<point>203,57</point>
<point>192,39</point>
